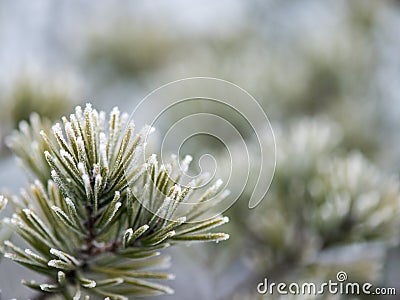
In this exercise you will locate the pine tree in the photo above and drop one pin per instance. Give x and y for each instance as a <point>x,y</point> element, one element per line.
<point>96,217</point>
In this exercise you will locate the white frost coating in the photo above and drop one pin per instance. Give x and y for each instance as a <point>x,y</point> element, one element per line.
<point>78,111</point>
<point>27,211</point>
<point>53,263</point>
<point>80,143</point>
<point>57,209</point>
<point>96,170</point>
<point>152,159</point>
<point>56,128</point>
<point>181,220</point>
<point>63,256</point>
<point>69,202</point>
<point>177,189</point>
<point>124,118</point>
<point>91,284</point>
<point>69,130</point>
<point>81,168</point>
<point>103,141</point>
<point>115,111</point>
<point>9,255</point>
<point>98,180</point>
<point>131,126</point>
<point>86,180</point>
<point>63,152</point>
<point>42,133</point>
<point>8,243</point>
<point>88,107</point>
<point>37,183</point>
<point>186,162</point>
<point>102,119</point>
<point>31,253</point>
<point>48,155</point>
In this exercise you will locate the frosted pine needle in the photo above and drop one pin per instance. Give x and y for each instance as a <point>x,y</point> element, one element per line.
<point>87,231</point>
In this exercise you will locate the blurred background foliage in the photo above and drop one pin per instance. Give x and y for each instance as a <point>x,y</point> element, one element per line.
<point>325,72</point>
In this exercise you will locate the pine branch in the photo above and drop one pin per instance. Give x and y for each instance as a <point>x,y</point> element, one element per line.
<point>98,218</point>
